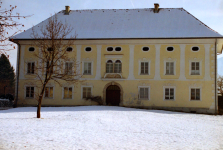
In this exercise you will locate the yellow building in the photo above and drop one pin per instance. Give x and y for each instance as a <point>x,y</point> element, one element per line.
<point>155,58</point>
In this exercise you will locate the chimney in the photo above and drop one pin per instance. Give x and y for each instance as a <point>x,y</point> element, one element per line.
<point>67,10</point>
<point>156,7</point>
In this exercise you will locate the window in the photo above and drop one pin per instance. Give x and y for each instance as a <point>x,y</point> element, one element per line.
<point>169,68</point>
<point>195,68</point>
<point>118,49</point>
<point>30,67</point>
<point>118,66</point>
<point>50,49</point>
<point>195,94</point>
<point>68,68</point>
<point>145,49</point>
<point>144,68</point>
<point>67,93</point>
<point>169,93</point>
<point>48,68</point>
<point>110,49</point>
<point>88,49</point>
<point>69,49</point>
<point>169,49</point>
<point>144,93</point>
<point>109,66</point>
<point>87,68</point>
<point>31,49</point>
<point>30,92</point>
<point>86,92</point>
<point>113,68</point>
<point>195,48</point>
<point>49,92</point>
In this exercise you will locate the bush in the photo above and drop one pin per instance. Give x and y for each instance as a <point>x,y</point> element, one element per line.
<point>97,99</point>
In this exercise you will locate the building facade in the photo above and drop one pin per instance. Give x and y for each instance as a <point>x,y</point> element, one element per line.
<point>168,64</point>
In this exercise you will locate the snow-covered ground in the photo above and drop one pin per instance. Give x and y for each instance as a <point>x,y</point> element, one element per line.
<point>104,127</point>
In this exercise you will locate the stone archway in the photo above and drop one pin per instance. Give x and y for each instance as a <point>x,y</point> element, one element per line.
<point>121,92</point>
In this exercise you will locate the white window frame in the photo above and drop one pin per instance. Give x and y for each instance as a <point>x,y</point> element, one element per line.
<point>190,69</point>
<point>63,91</point>
<point>195,95</point>
<point>114,66</point>
<point>145,51</point>
<point>139,87</point>
<point>110,51</point>
<point>49,92</point>
<point>27,68</point>
<point>32,51</point>
<point>88,51</point>
<point>115,48</point>
<point>91,67</point>
<point>70,72</point>
<point>25,92</point>
<point>174,68</point>
<point>82,90</point>
<point>174,94</point>
<point>140,67</point>
<point>170,46</point>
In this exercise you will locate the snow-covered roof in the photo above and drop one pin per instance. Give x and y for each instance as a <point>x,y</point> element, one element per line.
<point>130,23</point>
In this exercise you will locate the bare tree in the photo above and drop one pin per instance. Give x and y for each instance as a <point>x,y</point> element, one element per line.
<point>220,84</point>
<point>53,57</point>
<point>8,23</point>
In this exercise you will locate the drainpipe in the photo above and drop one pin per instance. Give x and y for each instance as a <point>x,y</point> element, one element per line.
<point>216,95</point>
<point>17,75</point>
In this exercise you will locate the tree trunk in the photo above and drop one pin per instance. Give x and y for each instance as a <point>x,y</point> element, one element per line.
<point>39,107</point>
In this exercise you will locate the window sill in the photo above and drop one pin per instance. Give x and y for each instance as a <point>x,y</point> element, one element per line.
<point>169,99</point>
<point>195,100</point>
<point>144,99</point>
<point>144,74</point>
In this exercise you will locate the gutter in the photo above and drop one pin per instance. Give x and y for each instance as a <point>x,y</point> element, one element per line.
<point>216,95</point>
<point>17,74</point>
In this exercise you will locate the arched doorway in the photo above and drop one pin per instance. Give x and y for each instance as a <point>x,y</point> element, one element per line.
<point>113,95</point>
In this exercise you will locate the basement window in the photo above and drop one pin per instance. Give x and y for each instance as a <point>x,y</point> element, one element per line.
<point>31,49</point>
<point>88,49</point>
<point>110,49</point>
<point>145,49</point>
<point>169,49</point>
<point>69,49</point>
<point>195,48</point>
<point>118,49</point>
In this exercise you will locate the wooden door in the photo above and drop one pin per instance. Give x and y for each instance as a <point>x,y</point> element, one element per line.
<point>113,95</point>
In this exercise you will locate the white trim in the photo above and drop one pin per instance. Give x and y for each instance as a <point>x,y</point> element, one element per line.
<point>78,57</point>
<point>139,70</point>
<point>109,56</point>
<point>182,62</point>
<point>73,65</point>
<point>71,50</point>
<point>98,69</point>
<point>195,46</point>
<point>174,87</point>
<point>116,47</point>
<point>131,62</point>
<point>200,67</point>
<point>174,69</point>
<point>139,92</point>
<point>26,68</point>
<point>86,86</point>
<point>91,67</point>
<point>25,91</point>
<point>157,63</point>
<point>207,62</point>
<point>195,87</point>
<point>72,92</point>
<point>88,47</point>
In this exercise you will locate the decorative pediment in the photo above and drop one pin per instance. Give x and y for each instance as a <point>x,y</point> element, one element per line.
<point>113,75</point>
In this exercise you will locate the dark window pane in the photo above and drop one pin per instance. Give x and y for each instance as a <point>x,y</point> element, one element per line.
<point>31,49</point>
<point>50,49</point>
<point>195,48</point>
<point>169,48</point>
<point>145,48</point>
<point>110,49</point>
<point>118,49</point>
<point>88,49</point>
<point>69,49</point>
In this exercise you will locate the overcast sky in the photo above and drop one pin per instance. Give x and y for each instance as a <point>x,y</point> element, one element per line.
<point>210,12</point>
